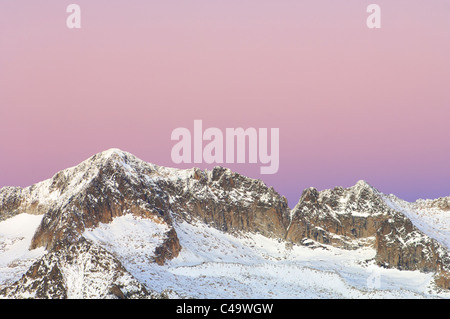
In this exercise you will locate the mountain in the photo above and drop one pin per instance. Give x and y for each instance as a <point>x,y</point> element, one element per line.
<point>115,226</point>
<point>361,215</point>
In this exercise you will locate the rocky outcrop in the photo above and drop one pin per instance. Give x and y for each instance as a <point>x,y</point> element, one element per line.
<point>401,245</point>
<point>347,218</point>
<point>230,202</point>
<point>442,279</point>
<point>361,215</point>
<point>169,249</point>
<point>10,202</point>
<point>442,204</point>
<point>115,183</point>
<point>77,270</point>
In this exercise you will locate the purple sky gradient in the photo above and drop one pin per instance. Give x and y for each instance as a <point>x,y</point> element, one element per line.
<point>351,103</point>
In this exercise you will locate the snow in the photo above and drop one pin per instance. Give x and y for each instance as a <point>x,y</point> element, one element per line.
<point>214,264</point>
<point>131,237</point>
<point>86,277</point>
<point>87,271</point>
<point>15,239</point>
<point>432,221</point>
<point>360,214</point>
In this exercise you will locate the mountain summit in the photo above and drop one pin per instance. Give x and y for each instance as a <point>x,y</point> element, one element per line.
<point>89,211</point>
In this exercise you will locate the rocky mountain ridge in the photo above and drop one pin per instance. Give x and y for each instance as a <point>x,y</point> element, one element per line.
<point>115,183</point>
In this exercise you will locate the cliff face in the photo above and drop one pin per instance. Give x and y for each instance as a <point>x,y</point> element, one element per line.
<point>115,183</point>
<point>10,200</point>
<point>339,216</point>
<point>230,202</point>
<point>15,200</point>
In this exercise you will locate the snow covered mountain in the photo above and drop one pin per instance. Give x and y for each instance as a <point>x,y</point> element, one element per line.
<point>115,226</point>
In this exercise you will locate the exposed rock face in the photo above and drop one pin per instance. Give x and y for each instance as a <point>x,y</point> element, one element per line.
<point>15,200</point>
<point>401,245</point>
<point>115,183</point>
<point>77,270</point>
<point>169,248</point>
<point>338,216</point>
<point>10,200</point>
<point>442,279</point>
<point>231,202</point>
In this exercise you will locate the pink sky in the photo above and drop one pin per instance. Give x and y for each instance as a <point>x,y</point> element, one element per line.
<point>351,103</point>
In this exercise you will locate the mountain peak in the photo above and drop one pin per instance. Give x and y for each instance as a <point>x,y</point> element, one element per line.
<point>114,154</point>
<point>116,161</point>
<point>362,183</point>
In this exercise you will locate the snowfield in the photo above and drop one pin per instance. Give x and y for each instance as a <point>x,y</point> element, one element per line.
<point>430,220</point>
<point>214,264</point>
<point>130,238</point>
<point>15,239</point>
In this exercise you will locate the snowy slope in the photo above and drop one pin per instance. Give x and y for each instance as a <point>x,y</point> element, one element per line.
<point>431,220</point>
<point>15,239</point>
<point>214,264</point>
<point>131,237</point>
